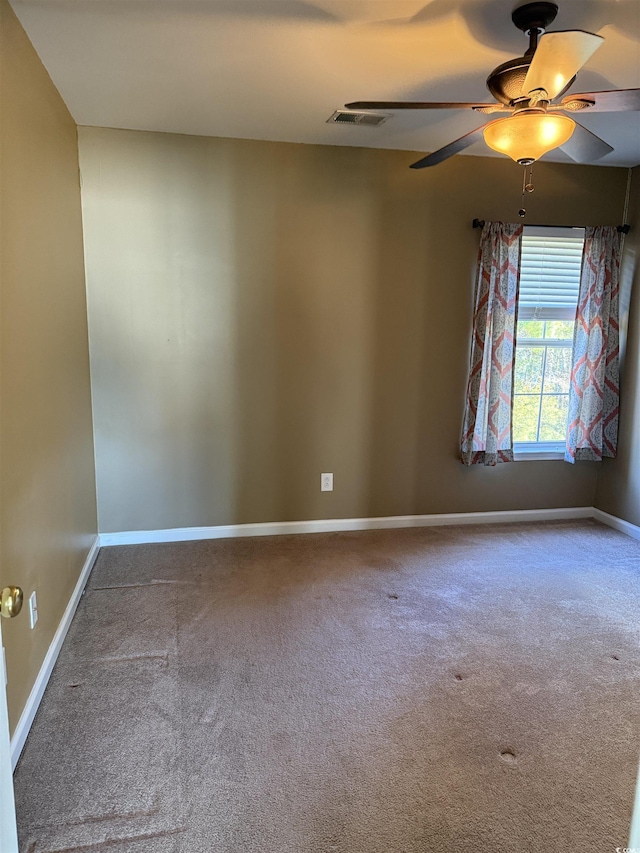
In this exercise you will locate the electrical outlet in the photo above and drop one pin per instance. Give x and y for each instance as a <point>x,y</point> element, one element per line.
<point>33,609</point>
<point>326,482</point>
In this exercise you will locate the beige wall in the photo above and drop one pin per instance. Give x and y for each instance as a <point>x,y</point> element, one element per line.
<point>48,513</point>
<point>262,312</point>
<point>619,481</point>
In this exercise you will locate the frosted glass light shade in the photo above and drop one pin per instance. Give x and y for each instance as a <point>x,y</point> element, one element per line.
<point>527,136</point>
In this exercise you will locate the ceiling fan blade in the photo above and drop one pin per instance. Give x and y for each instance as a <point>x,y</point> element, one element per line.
<point>449,150</point>
<point>414,105</point>
<point>584,146</point>
<point>558,58</point>
<point>614,101</point>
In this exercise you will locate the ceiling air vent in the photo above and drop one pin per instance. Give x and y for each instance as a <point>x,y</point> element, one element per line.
<point>353,117</point>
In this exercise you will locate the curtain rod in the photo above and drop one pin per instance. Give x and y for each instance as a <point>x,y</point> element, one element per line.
<point>623,229</point>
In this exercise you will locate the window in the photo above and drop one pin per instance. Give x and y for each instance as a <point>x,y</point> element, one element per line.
<point>550,266</point>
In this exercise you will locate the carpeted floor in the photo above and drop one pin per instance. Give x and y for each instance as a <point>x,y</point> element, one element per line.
<point>436,689</point>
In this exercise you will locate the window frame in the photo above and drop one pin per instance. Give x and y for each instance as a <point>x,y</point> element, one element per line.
<point>529,451</point>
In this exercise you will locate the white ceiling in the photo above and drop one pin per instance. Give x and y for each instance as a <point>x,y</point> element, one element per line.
<point>277,69</point>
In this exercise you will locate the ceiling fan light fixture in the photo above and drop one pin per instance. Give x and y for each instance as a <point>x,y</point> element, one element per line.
<point>525,137</point>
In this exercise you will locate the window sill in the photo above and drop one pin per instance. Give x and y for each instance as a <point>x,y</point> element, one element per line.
<point>538,451</point>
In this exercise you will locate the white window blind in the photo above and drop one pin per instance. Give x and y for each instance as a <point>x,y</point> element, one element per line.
<point>550,273</point>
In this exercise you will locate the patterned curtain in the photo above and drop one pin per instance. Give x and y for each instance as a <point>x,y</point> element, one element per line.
<point>594,393</point>
<point>486,433</point>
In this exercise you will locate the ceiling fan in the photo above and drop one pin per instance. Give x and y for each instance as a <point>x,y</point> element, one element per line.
<point>527,89</point>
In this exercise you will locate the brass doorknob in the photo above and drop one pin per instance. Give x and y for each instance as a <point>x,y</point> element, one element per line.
<point>11,601</point>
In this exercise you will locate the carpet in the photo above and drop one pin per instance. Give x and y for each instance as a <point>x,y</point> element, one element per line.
<point>396,691</point>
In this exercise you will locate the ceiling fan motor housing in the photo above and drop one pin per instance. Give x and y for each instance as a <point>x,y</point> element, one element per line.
<point>506,81</point>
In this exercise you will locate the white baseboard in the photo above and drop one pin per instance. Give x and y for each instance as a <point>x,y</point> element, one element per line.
<point>35,697</point>
<point>617,523</point>
<point>185,534</point>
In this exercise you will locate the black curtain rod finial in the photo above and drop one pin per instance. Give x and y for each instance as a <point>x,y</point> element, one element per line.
<point>624,229</point>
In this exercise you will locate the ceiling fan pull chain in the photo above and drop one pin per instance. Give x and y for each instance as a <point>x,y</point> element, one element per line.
<point>527,187</point>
